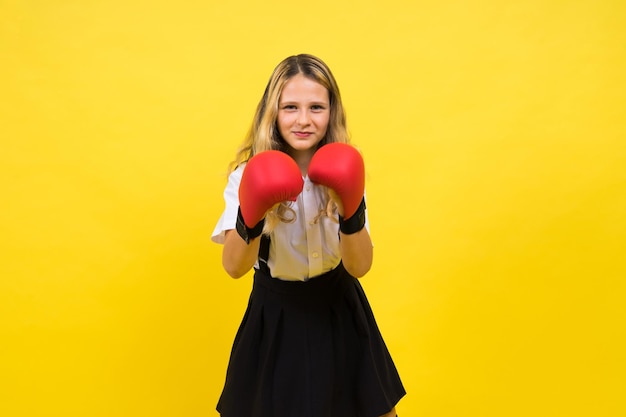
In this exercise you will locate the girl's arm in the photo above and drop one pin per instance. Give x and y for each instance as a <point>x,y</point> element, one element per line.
<point>238,257</point>
<point>268,178</point>
<point>356,252</point>
<point>340,167</point>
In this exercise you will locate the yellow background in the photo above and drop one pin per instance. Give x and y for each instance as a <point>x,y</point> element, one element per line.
<point>494,138</point>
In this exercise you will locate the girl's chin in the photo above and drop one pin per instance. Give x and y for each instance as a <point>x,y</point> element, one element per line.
<point>302,146</point>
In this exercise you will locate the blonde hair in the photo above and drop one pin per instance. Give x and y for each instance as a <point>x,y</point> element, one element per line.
<point>263,134</point>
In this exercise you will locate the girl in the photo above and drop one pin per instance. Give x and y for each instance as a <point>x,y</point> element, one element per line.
<point>308,345</point>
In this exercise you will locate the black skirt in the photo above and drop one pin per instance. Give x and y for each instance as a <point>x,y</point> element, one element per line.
<point>309,349</point>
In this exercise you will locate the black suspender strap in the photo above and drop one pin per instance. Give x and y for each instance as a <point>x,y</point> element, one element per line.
<point>264,254</point>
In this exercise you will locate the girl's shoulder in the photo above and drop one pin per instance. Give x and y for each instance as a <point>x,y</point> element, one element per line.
<point>235,174</point>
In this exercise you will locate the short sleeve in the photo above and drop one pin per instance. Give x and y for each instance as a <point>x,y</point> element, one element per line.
<point>228,219</point>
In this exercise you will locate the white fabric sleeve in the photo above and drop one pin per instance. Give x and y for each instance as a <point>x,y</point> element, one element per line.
<point>228,219</point>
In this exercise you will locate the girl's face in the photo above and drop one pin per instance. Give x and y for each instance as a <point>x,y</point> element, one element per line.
<point>303,114</point>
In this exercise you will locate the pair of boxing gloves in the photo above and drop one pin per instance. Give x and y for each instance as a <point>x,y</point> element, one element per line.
<point>272,177</point>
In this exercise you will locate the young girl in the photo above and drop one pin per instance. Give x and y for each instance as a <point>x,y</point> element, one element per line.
<point>308,345</point>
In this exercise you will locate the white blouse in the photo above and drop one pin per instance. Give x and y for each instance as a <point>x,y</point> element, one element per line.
<point>300,250</point>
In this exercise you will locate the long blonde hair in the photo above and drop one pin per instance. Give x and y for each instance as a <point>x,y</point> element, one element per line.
<point>264,135</point>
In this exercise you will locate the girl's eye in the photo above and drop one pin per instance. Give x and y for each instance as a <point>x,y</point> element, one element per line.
<point>317,107</point>
<point>289,107</point>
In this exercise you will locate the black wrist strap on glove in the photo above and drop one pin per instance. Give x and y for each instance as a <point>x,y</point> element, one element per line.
<point>355,222</point>
<point>246,232</point>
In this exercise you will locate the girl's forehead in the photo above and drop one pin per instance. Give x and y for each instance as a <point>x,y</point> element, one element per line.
<point>302,87</point>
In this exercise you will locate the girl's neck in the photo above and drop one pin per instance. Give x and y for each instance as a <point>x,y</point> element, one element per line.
<point>302,158</point>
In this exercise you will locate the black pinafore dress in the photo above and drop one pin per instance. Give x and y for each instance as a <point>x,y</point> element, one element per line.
<point>309,349</point>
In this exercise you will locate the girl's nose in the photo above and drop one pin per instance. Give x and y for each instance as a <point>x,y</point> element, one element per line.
<point>303,118</point>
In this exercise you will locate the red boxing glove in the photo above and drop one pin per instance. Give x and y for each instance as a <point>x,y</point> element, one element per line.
<point>340,167</point>
<point>269,178</point>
